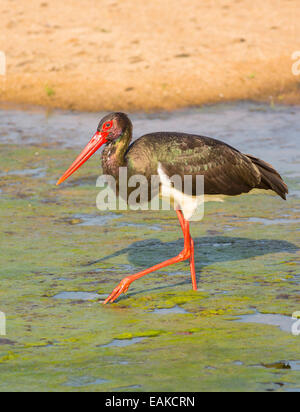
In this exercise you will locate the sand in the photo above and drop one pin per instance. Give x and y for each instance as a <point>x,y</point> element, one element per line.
<point>136,55</point>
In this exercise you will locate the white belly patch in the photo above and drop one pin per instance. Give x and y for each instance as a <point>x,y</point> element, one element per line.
<point>192,206</point>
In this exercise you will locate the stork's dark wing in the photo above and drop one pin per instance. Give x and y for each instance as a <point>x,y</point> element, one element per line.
<point>226,171</point>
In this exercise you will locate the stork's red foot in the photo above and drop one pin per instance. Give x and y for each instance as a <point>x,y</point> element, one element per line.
<point>121,288</point>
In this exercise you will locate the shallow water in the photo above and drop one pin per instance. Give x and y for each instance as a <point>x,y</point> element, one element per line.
<point>295,365</point>
<point>95,220</point>
<point>84,381</point>
<point>174,310</point>
<point>268,222</point>
<point>283,322</point>
<point>77,296</point>
<point>149,227</point>
<point>269,133</point>
<point>38,172</point>
<point>120,343</point>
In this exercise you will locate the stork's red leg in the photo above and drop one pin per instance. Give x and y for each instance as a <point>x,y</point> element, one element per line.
<point>187,253</point>
<point>192,259</point>
<point>192,266</point>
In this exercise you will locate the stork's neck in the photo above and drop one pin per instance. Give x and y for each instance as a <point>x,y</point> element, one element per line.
<point>113,155</point>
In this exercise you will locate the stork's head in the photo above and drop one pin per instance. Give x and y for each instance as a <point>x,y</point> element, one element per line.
<point>110,129</point>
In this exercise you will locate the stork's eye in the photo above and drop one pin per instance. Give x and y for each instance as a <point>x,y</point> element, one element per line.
<point>107,125</point>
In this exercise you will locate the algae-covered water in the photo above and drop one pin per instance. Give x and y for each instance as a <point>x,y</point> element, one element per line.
<point>60,257</point>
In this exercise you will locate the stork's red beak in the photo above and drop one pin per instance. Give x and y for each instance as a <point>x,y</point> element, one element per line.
<point>95,143</point>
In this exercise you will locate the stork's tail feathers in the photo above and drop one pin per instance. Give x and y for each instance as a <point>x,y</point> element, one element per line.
<point>270,178</point>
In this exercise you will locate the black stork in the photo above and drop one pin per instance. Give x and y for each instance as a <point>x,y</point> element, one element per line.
<point>226,171</point>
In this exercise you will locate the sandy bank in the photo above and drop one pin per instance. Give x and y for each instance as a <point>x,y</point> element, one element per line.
<point>132,55</point>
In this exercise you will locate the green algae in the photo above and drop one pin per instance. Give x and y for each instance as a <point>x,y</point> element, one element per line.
<point>242,267</point>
